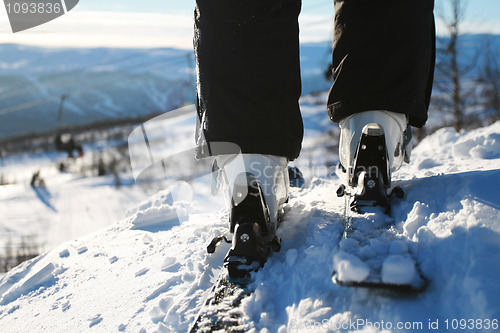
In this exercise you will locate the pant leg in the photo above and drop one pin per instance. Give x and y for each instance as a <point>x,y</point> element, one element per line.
<point>248,75</point>
<point>383,58</point>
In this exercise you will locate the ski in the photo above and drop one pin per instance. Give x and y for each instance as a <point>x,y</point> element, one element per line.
<point>372,255</point>
<point>252,242</point>
<point>219,312</point>
<point>235,282</point>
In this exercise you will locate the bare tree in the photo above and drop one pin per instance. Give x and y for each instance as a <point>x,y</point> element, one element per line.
<point>450,71</point>
<point>27,250</point>
<point>8,255</point>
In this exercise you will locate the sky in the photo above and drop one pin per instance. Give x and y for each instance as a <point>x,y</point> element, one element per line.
<point>169,23</point>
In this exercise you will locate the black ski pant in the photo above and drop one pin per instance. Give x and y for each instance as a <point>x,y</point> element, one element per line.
<point>248,68</point>
<point>383,58</point>
<point>248,74</point>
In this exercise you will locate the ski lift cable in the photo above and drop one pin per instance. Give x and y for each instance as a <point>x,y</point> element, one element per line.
<point>24,106</point>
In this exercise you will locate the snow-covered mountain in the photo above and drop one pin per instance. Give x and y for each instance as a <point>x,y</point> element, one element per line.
<point>107,84</point>
<point>99,84</point>
<point>104,83</point>
<point>150,271</point>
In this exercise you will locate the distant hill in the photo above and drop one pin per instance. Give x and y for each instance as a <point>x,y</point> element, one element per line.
<point>105,83</point>
<point>99,84</point>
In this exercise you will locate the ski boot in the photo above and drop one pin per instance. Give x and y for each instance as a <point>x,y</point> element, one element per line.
<point>257,188</point>
<point>372,145</point>
<point>253,234</point>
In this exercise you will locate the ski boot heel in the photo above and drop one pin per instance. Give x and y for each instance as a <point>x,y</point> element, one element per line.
<point>371,172</point>
<point>253,234</point>
<point>248,251</point>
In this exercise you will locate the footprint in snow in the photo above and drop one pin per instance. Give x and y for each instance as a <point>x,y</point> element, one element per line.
<point>82,250</point>
<point>95,320</point>
<point>64,253</point>
<point>170,264</point>
<point>147,239</point>
<point>113,260</point>
<point>65,306</point>
<point>142,272</point>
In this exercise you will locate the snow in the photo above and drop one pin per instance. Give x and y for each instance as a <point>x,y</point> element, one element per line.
<point>350,267</point>
<point>398,269</point>
<point>149,271</point>
<point>70,206</point>
<point>483,146</point>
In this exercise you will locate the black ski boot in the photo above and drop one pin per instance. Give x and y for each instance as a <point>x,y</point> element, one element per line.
<point>253,234</point>
<point>371,172</point>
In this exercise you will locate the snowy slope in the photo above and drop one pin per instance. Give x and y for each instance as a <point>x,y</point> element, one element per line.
<point>70,205</point>
<point>150,272</point>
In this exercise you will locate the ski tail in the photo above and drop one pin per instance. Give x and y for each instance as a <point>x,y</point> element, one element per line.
<point>409,288</point>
